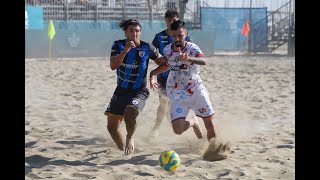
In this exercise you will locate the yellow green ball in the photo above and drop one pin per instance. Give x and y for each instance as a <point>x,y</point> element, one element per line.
<point>169,160</point>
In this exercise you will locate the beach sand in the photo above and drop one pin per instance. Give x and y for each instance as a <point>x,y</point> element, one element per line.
<point>66,133</point>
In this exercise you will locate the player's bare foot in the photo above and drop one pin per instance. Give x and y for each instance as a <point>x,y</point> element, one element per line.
<point>154,133</point>
<point>121,147</point>
<point>217,150</point>
<point>196,127</point>
<point>129,146</point>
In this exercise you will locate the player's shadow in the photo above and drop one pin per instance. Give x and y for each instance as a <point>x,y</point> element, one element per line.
<point>30,144</point>
<point>92,141</point>
<point>137,160</point>
<point>37,161</point>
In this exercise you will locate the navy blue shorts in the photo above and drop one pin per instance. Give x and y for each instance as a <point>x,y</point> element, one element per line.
<point>121,99</point>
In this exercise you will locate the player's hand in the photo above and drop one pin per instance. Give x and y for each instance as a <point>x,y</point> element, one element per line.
<point>153,83</point>
<point>183,57</point>
<point>129,45</point>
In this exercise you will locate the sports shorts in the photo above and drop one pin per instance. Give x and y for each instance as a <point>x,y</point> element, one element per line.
<point>199,102</point>
<point>121,99</point>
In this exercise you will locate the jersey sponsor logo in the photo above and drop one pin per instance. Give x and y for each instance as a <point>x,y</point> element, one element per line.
<point>141,53</point>
<point>130,66</point>
<point>175,68</point>
<point>179,110</point>
<point>131,74</point>
<point>202,110</point>
<point>126,80</point>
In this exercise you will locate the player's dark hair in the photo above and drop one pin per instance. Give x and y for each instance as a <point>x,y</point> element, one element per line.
<point>125,23</point>
<point>177,24</point>
<point>171,13</point>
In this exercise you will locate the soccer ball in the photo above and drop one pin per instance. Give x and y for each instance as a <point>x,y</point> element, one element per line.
<point>169,160</point>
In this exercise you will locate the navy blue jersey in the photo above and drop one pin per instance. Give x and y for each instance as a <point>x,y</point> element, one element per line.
<point>160,41</point>
<point>132,72</point>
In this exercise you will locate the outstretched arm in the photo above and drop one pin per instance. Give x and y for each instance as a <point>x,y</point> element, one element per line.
<point>160,69</point>
<point>160,60</point>
<point>198,60</point>
<point>156,56</point>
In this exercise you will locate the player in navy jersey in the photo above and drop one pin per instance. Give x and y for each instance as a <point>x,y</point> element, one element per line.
<point>160,40</point>
<point>130,58</point>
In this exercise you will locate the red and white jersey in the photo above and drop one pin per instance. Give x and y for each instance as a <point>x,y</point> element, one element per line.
<point>184,77</point>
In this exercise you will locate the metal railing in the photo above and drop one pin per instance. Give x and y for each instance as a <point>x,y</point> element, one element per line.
<point>104,10</point>
<point>98,10</point>
<point>101,10</point>
<point>278,28</point>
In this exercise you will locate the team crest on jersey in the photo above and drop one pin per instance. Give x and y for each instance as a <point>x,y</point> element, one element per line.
<point>135,102</point>
<point>141,53</point>
<point>176,59</point>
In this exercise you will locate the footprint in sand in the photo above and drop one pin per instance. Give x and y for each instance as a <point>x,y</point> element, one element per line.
<point>83,176</point>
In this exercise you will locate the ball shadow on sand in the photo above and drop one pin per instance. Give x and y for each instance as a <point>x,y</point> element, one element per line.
<point>137,160</point>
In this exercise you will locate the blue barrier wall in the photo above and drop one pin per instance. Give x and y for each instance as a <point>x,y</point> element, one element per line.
<point>94,39</point>
<point>220,30</point>
<point>226,25</point>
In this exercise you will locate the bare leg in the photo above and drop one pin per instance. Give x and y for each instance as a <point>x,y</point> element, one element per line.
<point>208,123</point>
<point>161,112</point>
<point>114,129</point>
<point>130,115</point>
<point>181,125</point>
<point>217,149</point>
<point>196,127</point>
<point>168,115</point>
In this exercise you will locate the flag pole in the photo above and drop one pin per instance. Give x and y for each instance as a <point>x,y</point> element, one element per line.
<point>247,45</point>
<point>250,22</point>
<point>49,49</point>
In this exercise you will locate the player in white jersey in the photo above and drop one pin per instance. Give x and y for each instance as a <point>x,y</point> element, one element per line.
<point>184,85</point>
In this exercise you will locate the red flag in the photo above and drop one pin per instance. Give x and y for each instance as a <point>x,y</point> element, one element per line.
<point>245,28</point>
